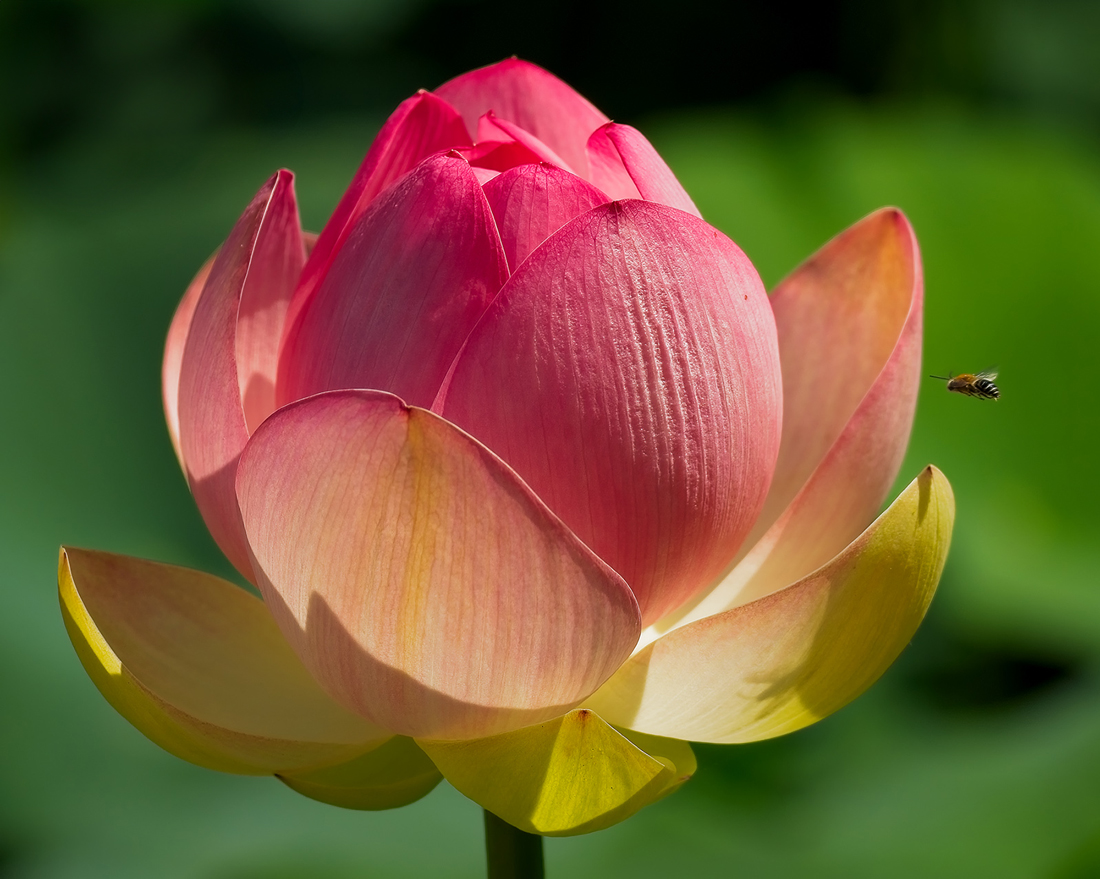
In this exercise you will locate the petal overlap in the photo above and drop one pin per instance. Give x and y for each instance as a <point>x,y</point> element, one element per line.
<point>573,774</point>
<point>530,97</point>
<point>420,126</point>
<point>533,201</point>
<point>227,373</point>
<point>198,665</point>
<point>423,584</point>
<point>490,128</point>
<point>788,659</point>
<point>624,164</point>
<point>649,419</point>
<point>849,323</point>
<point>398,302</point>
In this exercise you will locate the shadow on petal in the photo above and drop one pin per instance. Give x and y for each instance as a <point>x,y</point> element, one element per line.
<point>395,774</point>
<point>346,671</point>
<point>417,577</point>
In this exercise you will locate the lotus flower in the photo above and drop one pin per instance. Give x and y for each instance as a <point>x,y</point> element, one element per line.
<point>536,481</point>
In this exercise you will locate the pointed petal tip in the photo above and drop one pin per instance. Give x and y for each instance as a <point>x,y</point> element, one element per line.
<point>395,307</point>
<point>570,775</point>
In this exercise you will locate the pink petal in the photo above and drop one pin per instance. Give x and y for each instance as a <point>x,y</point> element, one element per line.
<point>849,323</point>
<point>533,99</point>
<point>411,280</point>
<point>484,175</point>
<point>532,202</point>
<point>423,584</point>
<point>498,155</point>
<point>173,354</point>
<point>228,366</point>
<point>492,128</point>
<point>624,165</point>
<point>420,126</point>
<point>629,372</point>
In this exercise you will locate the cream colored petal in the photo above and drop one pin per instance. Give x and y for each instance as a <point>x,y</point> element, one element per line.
<point>199,666</point>
<point>789,659</point>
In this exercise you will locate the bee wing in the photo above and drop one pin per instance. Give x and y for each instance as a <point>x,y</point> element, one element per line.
<point>990,373</point>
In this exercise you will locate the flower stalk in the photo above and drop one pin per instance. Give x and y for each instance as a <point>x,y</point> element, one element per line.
<point>510,853</point>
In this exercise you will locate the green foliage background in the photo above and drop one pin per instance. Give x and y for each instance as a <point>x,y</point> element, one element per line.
<point>978,754</point>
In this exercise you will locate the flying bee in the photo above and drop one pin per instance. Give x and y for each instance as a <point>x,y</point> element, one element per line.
<point>980,385</point>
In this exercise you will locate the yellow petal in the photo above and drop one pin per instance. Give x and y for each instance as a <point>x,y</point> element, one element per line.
<point>567,776</point>
<point>199,666</point>
<point>788,659</point>
<point>395,774</point>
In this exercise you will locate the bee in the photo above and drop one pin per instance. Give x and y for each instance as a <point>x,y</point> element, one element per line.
<point>980,385</point>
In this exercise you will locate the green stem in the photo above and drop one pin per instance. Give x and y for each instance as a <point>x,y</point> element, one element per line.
<point>510,852</point>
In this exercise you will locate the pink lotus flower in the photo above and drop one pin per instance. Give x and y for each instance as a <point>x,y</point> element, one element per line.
<point>535,480</point>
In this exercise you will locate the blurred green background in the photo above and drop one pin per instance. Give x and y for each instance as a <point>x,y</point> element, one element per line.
<point>131,136</point>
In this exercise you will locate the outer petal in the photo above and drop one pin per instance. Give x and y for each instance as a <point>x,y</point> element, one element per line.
<point>228,369</point>
<point>624,165</point>
<point>420,126</point>
<point>849,325</point>
<point>535,100</point>
<point>424,584</point>
<point>629,373</point>
<point>177,341</point>
<point>567,776</point>
<point>532,202</point>
<point>793,657</point>
<point>173,354</point>
<point>395,774</point>
<point>409,283</point>
<point>198,666</point>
